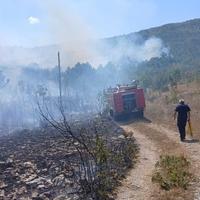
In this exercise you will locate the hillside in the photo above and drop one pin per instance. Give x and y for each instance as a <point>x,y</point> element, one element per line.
<point>182,39</point>
<point>182,62</point>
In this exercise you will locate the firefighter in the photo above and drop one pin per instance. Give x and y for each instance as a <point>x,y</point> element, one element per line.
<point>183,111</point>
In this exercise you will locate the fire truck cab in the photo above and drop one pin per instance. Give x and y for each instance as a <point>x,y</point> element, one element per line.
<point>126,100</point>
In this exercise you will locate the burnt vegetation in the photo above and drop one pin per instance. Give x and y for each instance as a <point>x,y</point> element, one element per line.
<point>79,160</point>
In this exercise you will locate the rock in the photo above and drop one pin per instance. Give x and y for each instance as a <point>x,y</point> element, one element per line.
<point>121,137</point>
<point>22,191</point>
<point>44,170</point>
<point>44,196</point>
<point>119,131</point>
<point>2,185</point>
<point>39,183</point>
<point>34,194</point>
<point>29,165</point>
<point>2,193</point>
<point>61,197</point>
<point>28,178</point>
<point>9,160</point>
<point>59,180</point>
<point>5,165</point>
<point>47,195</point>
<point>40,187</point>
<point>64,197</point>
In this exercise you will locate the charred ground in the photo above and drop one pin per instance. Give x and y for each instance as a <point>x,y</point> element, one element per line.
<point>42,164</point>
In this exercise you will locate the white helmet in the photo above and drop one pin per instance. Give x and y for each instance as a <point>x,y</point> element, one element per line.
<point>181,101</point>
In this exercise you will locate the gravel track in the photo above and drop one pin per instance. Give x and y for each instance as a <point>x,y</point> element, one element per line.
<point>154,140</point>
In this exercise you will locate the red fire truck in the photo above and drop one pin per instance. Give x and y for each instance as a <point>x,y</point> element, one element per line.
<point>125,100</point>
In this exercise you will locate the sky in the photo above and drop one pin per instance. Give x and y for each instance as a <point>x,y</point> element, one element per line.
<point>30,23</point>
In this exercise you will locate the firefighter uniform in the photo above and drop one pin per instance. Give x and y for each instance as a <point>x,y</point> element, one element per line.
<point>182,110</point>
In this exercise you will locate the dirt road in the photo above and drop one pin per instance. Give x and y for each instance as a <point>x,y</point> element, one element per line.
<point>154,140</point>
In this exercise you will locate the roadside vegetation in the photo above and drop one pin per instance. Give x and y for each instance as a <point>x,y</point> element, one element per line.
<point>172,172</point>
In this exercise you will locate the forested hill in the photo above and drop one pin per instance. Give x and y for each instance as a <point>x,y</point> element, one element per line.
<point>182,63</point>
<point>182,39</point>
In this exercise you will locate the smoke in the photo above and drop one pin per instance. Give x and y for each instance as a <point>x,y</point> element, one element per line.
<point>77,42</point>
<point>71,32</point>
<point>135,50</point>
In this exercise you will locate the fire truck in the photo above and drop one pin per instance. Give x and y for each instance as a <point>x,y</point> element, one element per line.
<point>125,100</point>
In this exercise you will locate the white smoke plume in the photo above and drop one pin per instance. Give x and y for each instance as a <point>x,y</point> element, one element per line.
<point>71,32</point>
<point>97,53</point>
<point>76,40</point>
<point>135,51</point>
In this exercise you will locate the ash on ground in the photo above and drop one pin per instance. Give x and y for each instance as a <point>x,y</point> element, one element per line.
<point>34,164</point>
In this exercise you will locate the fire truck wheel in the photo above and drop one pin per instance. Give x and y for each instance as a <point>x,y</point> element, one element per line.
<point>111,113</point>
<point>117,117</point>
<point>141,114</point>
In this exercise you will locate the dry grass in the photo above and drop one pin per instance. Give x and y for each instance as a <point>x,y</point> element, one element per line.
<point>172,172</point>
<point>161,108</point>
<point>174,194</point>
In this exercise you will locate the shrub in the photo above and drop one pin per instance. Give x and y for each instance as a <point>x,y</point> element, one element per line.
<point>172,172</point>
<point>113,160</point>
